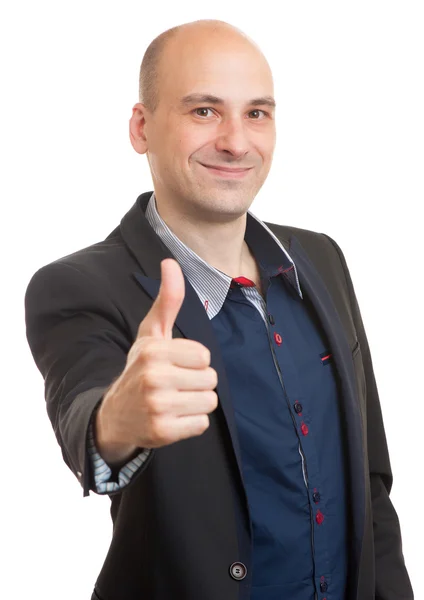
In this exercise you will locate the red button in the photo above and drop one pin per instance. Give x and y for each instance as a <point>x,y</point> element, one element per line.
<point>278,338</point>
<point>242,281</point>
<point>304,429</point>
<point>319,517</point>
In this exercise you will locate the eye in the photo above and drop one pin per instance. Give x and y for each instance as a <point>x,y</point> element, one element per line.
<point>202,112</point>
<point>257,115</point>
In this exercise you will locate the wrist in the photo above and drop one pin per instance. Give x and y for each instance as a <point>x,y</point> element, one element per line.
<point>113,451</point>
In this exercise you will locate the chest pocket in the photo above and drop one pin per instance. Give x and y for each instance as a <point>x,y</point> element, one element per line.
<point>326,358</point>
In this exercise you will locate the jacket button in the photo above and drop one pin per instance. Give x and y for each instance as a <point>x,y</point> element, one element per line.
<point>323,586</point>
<point>238,570</point>
<point>298,407</point>
<point>316,496</point>
<point>271,319</point>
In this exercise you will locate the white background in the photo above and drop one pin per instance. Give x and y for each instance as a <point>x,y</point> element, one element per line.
<point>349,162</point>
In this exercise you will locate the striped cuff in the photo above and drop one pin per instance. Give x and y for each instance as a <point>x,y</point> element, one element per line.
<point>102,471</point>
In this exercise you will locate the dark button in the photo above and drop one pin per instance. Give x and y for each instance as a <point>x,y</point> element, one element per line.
<point>238,570</point>
<point>298,407</point>
<point>271,319</point>
<point>278,339</point>
<point>316,496</point>
<point>323,586</point>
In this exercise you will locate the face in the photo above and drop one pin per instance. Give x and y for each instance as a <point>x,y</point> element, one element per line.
<point>210,141</point>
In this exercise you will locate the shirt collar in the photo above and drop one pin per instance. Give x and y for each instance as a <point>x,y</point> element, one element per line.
<point>211,284</point>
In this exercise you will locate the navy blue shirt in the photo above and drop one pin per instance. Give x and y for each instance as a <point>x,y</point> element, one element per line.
<point>285,395</point>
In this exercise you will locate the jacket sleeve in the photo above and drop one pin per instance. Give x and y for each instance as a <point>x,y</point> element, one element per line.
<point>392,580</point>
<point>103,474</point>
<point>79,342</point>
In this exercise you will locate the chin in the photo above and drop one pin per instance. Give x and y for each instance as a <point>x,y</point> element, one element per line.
<point>225,205</point>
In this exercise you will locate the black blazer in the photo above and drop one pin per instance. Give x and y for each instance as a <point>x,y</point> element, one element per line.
<point>184,518</point>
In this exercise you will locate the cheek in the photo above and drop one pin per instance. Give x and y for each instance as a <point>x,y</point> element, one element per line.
<point>192,140</point>
<point>267,149</point>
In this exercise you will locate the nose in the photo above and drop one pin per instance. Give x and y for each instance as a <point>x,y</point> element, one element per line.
<point>232,138</point>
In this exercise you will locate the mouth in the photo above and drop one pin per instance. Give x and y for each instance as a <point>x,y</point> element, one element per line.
<point>227,172</point>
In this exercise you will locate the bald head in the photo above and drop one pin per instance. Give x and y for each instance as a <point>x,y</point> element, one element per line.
<point>206,102</point>
<point>182,40</point>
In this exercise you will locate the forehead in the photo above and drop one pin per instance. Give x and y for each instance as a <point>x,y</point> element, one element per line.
<point>230,68</point>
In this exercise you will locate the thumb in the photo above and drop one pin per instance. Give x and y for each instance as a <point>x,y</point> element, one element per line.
<point>160,319</point>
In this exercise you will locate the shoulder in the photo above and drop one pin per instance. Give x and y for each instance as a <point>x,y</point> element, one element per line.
<point>95,265</point>
<point>95,257</point>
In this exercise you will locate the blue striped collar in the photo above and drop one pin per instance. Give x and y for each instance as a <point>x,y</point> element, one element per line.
<point>211,284</point>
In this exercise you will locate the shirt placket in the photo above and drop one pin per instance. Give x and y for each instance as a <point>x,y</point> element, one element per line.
<point>298,406</point>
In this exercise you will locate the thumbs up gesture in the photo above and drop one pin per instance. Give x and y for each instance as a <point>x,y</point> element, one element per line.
<point>166,389</point>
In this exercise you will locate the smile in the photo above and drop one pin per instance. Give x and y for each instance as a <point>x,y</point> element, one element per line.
<point>227,172</point>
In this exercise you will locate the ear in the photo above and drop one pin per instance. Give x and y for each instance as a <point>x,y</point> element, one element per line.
<point>137,128</point>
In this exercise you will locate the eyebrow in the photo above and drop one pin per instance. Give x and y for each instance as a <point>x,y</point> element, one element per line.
<point>209,99</point>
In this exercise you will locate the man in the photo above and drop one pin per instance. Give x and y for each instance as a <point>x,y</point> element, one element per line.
<point>210,372</point>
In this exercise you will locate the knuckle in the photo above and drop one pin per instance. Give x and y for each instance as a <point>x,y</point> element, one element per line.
<point>147,351</point>
<point>213,400</point>
<point>159,432</point>
<point>205,355</point>
<point>148,379</point>
<point>157,403</point>
<point>203,423</point>
<point>213,377</point>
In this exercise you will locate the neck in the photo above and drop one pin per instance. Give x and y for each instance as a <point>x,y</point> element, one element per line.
<point>219,243</point>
